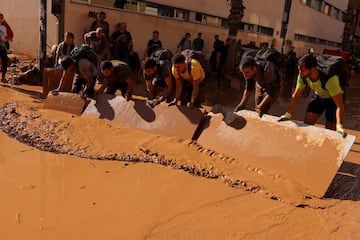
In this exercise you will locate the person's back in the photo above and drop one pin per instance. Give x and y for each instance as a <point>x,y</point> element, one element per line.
<point>98,42</point>
<point>117,75</point>
<point>84,79</point>
<point>86,68</point>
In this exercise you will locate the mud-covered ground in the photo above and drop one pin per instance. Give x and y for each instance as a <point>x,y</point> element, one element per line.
<point>105,184</point>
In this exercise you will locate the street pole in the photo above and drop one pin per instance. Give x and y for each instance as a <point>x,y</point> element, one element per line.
<point>356,12</point>
<point>285,22</point>
<point>42,47</point>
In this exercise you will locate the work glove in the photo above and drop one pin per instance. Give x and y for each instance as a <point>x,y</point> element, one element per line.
<point>239,107</point>
<point>259,112</point>
<point>84,94</point>
<point>340,129</point>
<point>173,102</point>
<point>55,91</point>
<point>286,117</point>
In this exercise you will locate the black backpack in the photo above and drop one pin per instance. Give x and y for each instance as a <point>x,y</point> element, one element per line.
<point>192,54</point>
<point>84,51</point>
<point>330,66</point>
<point>271,55</point>
<point>161,55</point>
<point>334,65</point>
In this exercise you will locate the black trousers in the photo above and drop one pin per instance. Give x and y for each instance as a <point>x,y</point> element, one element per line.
<point>4,62</point>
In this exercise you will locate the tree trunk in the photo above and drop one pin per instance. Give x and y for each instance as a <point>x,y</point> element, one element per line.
<point>42,43</point>
<point>234,20</point>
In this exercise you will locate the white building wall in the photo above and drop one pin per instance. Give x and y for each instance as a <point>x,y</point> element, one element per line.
<point>24,18</point>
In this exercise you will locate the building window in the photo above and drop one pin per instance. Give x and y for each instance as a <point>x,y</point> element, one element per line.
<point>165,11</point>
<point>207,19</point>
<point>341,16</point>
<point>181,14</point>
<point>148,8</point>
<point>306,2</point>
<point>316,4</point>
<point>156,10</point>
<point>248,27</point>
<point>335,12</point>
<point>267,31</point>
<point>327,8</point>
<point>212,20</point>
<point>322,41</point>
<point>313,40</point>
<point>131,5</point>
<point>198,17</point>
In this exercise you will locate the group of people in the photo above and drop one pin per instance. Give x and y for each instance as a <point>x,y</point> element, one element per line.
<point>326,99</point>
<point>179,78</point>
<point>115,46</point>
<point>185,43</point>
<point>114,69</point>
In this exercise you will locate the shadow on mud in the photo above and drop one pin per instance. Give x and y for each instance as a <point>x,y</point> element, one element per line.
<point>346,183</point>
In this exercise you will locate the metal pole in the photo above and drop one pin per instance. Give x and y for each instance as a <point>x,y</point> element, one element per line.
<point>285,21</point>
<point>42,47</point>
<point>356,11</point>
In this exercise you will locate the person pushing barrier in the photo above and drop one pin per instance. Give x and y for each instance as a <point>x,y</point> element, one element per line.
<point>328,96</point>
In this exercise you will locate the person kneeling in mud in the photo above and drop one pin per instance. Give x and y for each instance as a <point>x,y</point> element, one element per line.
<point>158,77</point>
<point>84,79</point>
<point>117,75</point>
<point>266,82</point>
<point>188,75</point>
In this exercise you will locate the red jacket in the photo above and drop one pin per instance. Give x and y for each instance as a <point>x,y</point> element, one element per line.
<point>10,33</point>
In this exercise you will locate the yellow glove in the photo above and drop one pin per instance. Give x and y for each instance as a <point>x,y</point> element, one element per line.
<point>340,129</point>
<point>286,117</point>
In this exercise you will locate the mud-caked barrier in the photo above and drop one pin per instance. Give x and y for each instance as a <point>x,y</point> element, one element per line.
<point>65,102</point>
<point>177,121</point>
<point>306,154</point>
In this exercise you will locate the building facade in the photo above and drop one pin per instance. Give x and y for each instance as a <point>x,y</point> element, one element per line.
<point>351,40</point>
<point>317,24</point>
